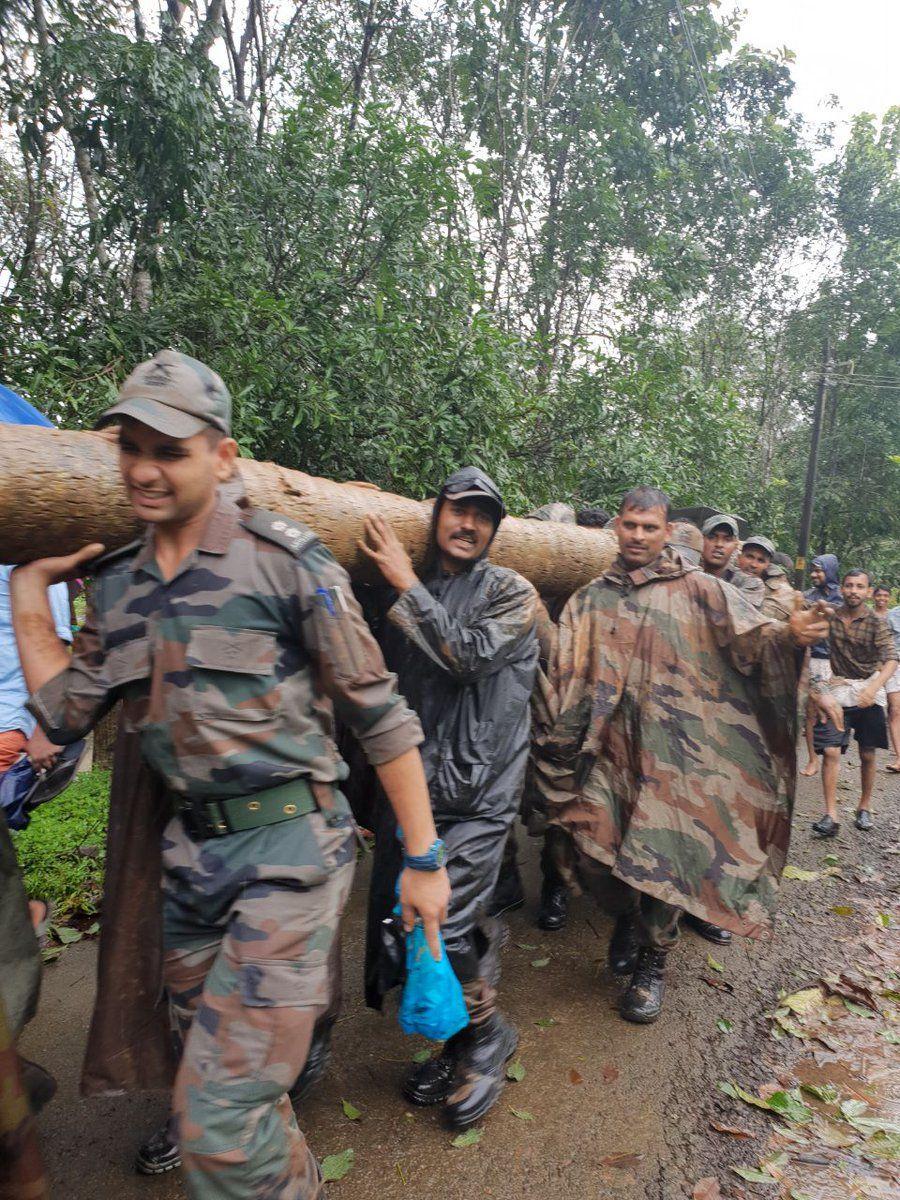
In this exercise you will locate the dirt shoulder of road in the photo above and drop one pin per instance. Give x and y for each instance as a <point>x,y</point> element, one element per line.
<point>604,1108</point>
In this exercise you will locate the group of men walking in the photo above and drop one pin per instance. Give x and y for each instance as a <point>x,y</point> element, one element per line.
<point>656,722</point>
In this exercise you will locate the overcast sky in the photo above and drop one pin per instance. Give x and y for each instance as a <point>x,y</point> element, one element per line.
<point>846,47</point>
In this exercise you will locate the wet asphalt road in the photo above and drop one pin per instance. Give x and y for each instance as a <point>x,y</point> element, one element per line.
<point>610,1102</point>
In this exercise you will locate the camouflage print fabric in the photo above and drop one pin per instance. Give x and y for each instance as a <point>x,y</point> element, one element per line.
<point>222,668</point>
<point>250,921</point>
<point>751,587</point>
<point>778,601</point>
<point>668,750</point>
<point>656,922</point>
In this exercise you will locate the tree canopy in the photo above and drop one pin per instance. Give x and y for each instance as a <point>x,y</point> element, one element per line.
<point>586,246</point>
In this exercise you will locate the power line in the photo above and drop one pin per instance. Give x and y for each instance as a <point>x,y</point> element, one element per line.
<point>707,101</point>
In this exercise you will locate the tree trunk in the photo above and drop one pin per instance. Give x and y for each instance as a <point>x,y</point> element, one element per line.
<point>60,490</point>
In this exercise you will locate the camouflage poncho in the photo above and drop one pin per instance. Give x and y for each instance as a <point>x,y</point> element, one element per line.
<point>666,743</point>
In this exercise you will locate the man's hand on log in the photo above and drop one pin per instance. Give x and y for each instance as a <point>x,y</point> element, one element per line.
<point>60,570</point>
<point>809,625</point>
<point>385,549</point>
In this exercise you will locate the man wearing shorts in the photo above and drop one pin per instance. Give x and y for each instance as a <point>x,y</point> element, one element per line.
<point>892,687</point>
<point>862,658</point>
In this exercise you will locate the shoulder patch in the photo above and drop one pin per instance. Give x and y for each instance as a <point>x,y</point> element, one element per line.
<point>112,557</point>
<point>293,536</point>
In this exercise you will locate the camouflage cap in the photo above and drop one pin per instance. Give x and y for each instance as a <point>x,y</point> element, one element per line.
<point>717,521</point>
<point>686,539</point>
<point>762,543</point>
<point>175,394</point>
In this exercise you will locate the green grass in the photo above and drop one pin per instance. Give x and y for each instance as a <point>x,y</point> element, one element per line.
<point>61,852</point>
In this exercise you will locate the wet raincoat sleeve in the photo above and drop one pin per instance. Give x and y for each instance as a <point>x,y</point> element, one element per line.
<point>563,706</point>
<point>474,647</point>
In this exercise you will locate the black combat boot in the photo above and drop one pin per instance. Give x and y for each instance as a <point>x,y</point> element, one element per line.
<point>554,908</point>
<point>706,929</point>
<point>642,1002</point>
<point>484,1048</point>
<point>508,893</point>
<point>623,945</point>
<point>430,1082</point>
<point>316,1062</point>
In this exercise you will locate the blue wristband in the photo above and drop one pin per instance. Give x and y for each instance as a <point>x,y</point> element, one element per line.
<point>433,860</point>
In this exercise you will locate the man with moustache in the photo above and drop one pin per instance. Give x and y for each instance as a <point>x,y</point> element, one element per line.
<point>863,659</point>
<point>227,634</point>
<point>462,641</point>
<point>662,680</point>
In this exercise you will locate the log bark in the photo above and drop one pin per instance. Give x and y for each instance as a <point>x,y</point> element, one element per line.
<point>60,490</point>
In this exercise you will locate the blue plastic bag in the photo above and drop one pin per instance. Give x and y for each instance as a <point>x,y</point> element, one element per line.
<point>433,1003</point>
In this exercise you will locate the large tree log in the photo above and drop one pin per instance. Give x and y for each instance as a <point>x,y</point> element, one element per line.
<point>60,490</point>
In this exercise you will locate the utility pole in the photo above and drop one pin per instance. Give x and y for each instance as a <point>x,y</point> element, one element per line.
<point>812,466</point>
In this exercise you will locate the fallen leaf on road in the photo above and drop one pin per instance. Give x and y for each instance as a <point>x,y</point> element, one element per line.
<point>351,1112</point>
<point>421,1056</point>
<point>621,1160</point>
<point>471,1137</point>
<point>850,989</point>
<point>786,1104</point>
<point>707,1189</point>
<point>610,1074</point>
<point>792,872</point>
<point>336,1166</point>
<point>521,1114</point>
<point>721,985</point>
<point>65,935</point>
<point>883,919</point>
<point>515,1071</point>
<point>540,962</point>
<point>890,1035</point>
<point>731,1130</point>
<point>527,945</point>
<point>857,1009</point>
<point>574,1077</point>
<point>804,1001</point>
<point>753,1175</point>
<point>713,965</point>
<point>546,1023</point>
<point>843,910</point>
<point>724,1026</point>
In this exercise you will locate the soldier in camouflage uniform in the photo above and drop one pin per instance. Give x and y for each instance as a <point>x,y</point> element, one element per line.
<point>229,635</point>
<point>757,557</point>
<point>668,752</point>
<point>721,538</point>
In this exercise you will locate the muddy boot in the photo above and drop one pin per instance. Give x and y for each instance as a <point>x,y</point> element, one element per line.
<point>430,1082</point>
<point>623,945</point>
<point>316,1062</point>
<point>485,1047</point>
<point>642,1002</point>
<point>554,908</point>
<point>706,929</point>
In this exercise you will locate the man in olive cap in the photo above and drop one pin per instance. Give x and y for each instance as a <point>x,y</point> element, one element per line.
<point>219,630</point>
<point>757,557</point>
<point>721,537</point>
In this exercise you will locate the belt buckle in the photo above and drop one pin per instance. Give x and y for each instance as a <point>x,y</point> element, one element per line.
<point>198,824</point>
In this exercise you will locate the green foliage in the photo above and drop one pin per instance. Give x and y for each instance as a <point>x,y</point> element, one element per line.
<point>542,238</point>
<point>62,851</point>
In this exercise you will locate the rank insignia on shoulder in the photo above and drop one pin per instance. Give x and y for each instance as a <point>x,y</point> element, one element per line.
<point>274,528</point>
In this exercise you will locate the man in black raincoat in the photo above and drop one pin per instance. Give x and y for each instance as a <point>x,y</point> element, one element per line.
<point>462,641</point>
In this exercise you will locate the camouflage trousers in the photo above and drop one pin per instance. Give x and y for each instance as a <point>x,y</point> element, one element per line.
<point>657,922</point>
<point>249,924</point>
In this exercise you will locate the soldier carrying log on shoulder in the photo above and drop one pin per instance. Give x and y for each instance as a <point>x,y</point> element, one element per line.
<point>227,634</point>
<point>668,751</point>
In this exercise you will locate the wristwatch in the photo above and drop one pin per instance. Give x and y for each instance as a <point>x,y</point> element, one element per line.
<point>432,860</point>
